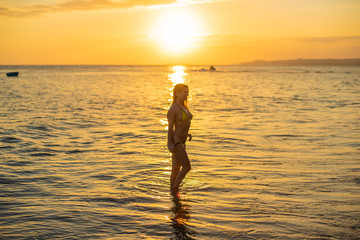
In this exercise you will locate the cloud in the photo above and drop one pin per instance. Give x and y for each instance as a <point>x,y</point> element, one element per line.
<point>309,40</point>
<point>88,5</point>
<point>325,40</point>
<point>237,41</point>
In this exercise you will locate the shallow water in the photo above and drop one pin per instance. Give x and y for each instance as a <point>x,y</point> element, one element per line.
<point>275,153</point>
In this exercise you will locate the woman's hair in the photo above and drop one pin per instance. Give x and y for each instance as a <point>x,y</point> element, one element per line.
<point>178,88</point>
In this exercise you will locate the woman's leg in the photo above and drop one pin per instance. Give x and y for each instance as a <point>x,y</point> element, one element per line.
<point>181,157</point>
<point>174,171</point>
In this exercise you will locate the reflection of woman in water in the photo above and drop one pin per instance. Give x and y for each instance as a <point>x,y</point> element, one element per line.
<point>179,118</point>
<point>180,216</point>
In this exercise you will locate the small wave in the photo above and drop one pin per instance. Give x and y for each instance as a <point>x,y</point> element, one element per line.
<point>6,181</point>
<point>74,151</point>
<point>18,163</point>
<point>103,177</point>
<point>269,163</point>
<point>41,128</point>
<point>128,153</point>
<point>209,188</point>
<point>128,135</point>
<point>109,200</point>
<point>84,124</point>
<point>42,154</point>
<point>39,152</point>
<point>125,200</point>
<point>231,110</point>
<point>356,180</point>
<point>6,147</point>
<point>10,140</point>
<point>220,138</point>
<point>284,136</point>
<point>308,109</point>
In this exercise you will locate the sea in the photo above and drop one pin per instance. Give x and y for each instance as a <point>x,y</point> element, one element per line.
<point>275,153</point>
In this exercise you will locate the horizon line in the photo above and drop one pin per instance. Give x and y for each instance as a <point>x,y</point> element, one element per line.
<point>257,61</point>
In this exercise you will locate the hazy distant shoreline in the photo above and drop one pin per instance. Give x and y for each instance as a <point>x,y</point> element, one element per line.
<point>305,62</point>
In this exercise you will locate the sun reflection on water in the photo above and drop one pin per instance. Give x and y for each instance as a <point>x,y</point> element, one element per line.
<point>178,74</point>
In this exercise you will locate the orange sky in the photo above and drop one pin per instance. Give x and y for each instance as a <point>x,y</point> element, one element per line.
<point>176,32</point>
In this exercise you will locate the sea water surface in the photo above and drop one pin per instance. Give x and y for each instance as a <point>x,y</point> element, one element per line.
<point>275,153</point>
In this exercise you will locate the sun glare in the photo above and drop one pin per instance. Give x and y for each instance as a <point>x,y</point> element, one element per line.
<point>178,74</point>
<point>177,31</point>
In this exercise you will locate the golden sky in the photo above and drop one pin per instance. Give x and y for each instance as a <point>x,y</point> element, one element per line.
<point>176,31</point>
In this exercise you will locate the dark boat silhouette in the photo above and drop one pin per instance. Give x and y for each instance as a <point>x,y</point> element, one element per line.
<point>12,74</point>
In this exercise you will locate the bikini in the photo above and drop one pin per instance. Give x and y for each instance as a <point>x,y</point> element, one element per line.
<point>184,118</point>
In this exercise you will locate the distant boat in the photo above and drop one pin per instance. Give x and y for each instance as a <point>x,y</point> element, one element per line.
<point>211,69</point>
<point>12,74</point>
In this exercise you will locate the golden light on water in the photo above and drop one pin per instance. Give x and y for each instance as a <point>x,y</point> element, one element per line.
<point>178,74</point>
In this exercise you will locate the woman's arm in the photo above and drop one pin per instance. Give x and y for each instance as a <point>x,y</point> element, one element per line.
<point>171,121</point>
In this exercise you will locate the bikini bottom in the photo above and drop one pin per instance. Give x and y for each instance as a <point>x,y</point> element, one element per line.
<point>182,143</point>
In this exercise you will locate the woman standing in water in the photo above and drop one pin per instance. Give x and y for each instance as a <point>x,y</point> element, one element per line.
<point>179,119</point>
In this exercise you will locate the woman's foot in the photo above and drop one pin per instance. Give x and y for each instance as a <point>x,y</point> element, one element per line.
<point>175,191</point>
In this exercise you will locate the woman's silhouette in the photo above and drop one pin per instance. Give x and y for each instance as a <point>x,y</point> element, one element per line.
<point>179,119</point>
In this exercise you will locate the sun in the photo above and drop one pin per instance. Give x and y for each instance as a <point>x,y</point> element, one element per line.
<point>177,31</point>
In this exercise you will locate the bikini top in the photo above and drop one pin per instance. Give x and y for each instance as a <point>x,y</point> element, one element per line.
<point>184,115</point>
